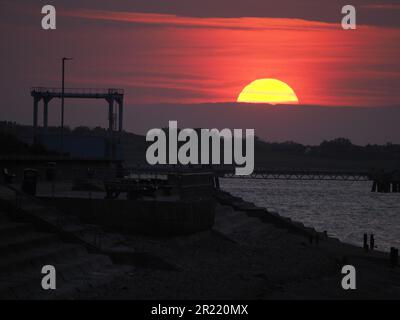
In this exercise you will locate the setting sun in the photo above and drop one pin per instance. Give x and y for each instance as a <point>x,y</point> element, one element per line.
<point>268,91</point>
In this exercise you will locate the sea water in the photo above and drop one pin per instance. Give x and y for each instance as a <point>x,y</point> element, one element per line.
<point>344,209</point>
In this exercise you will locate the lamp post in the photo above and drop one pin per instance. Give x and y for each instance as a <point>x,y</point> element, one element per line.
<point>62,103</point>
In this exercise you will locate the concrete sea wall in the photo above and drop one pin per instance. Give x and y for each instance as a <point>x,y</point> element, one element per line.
<point>152,217</point>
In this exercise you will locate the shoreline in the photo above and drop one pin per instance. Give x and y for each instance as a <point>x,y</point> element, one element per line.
<point>251,254</point>
<point>344,209</point>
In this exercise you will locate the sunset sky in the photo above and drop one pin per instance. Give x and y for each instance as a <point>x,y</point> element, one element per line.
<point>191,52</point>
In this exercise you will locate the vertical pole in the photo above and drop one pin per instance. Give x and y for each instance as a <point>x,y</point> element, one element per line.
<point>35,112</point>
<point>110,126</point>
<point>121,115</point>
<point>120,120</point>
<point>62,102</point>
<point>45,113</point>
<point>110,114</point>
<point>62,106</point>
<point>35,118</point>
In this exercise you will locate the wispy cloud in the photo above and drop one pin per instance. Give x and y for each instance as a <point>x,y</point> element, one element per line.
<point>193,22</point>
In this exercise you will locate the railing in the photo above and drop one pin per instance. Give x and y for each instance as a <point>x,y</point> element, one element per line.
<point>143,171</point>
<point>302,174</point>
<point>99,172</point>
<point>52,90</point>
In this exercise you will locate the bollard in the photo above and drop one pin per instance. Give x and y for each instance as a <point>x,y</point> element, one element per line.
<point>365,242</point>
<point>394,256</point>
<point>372,242</point>
<point>326,234</point>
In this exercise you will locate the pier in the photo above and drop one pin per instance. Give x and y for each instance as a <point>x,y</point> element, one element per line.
<point>382,181</point>
<point>301,174</point>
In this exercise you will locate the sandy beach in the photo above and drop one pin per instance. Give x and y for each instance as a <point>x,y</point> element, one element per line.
<point>244,258</point>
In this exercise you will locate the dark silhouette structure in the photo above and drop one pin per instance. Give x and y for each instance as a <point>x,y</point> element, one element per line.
<point>112,96</point>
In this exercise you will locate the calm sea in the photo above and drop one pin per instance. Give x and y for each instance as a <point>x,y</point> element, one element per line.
<point>346,210</point>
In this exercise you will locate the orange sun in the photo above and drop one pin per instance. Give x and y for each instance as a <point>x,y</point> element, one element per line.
<point>270,91</point>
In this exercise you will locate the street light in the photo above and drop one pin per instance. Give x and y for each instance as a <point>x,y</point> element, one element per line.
<point>62,102</point>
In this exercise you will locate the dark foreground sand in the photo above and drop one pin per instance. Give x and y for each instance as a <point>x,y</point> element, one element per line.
<point>244,258</point>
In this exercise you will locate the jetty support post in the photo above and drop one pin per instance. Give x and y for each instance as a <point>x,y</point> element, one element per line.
<point>110,115</point>
<point>46,112</point>
<point>35,111</point>
<point>120,114</point>
<point>36,101</point>
<point>111,147</point>
<point>120,102</point>
<point>365,242</point>
<point>372,242</point>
